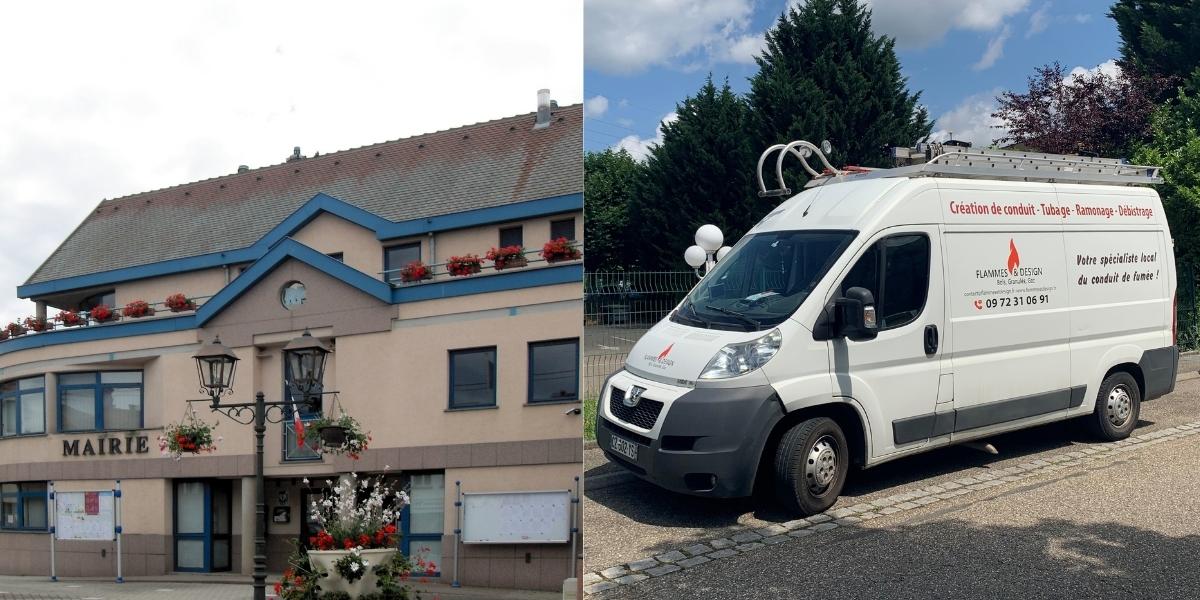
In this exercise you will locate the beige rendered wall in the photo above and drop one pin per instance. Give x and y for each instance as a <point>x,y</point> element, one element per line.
<point>155,290</point>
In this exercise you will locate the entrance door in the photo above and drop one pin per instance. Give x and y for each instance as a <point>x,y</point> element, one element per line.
<point>895,377</point>
<point>203,521</point>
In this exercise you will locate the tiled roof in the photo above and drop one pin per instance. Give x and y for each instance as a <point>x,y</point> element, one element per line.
<point>475,166</point>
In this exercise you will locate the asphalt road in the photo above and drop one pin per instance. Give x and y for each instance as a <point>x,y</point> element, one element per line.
<point>1100,533</point>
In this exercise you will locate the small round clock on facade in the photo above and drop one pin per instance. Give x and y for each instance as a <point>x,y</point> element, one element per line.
<point>293,295</point>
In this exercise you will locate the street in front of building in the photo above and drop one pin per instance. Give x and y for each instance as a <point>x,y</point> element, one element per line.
<point>1055,514</point>
<point>40,588</point>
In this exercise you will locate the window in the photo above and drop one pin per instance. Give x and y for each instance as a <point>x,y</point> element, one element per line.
<point>292,450</point>
<point>763,280</point>
<point>473,378</point>
<point>108,299</point>
<point>398,257</point>
<point>554,371</point>
<point>23,406</point>
<point>423,520</point>
<point>563,228</point>
<point>338,256</point>
<point>512,236</point>
<point>100,401</point>
<point>23,505</point>
<point>896,271</point>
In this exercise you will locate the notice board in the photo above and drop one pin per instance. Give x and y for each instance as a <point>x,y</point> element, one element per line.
<point>84,516</point>
<point>517,517</point>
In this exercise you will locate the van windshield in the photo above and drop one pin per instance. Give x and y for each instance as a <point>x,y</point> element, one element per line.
<point>763,280</point>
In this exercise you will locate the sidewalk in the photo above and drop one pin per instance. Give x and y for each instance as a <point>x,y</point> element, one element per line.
<point>212,587</point>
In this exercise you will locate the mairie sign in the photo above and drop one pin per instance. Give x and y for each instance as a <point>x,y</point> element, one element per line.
<point>107,446</point>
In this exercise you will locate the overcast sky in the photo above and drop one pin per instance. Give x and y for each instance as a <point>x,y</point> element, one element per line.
<point>101,100</point>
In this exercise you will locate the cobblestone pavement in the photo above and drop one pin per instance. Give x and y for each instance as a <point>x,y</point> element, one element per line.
<point>736,531</point>
<point>22,588</point>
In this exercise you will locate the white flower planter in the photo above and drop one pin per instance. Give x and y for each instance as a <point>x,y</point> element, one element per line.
<point>323,560</point>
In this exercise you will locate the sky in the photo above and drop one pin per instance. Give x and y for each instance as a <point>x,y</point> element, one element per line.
<point>644,56</point>
<point>101,100</point>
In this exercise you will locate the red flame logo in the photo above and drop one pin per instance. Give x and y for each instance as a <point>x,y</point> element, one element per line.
<point>666,352</point>
<point>1014,259</point>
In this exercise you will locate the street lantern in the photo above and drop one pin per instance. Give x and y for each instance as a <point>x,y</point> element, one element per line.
<point>215,364</point>
<point>305,358</point>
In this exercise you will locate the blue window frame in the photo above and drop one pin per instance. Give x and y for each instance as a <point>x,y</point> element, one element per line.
<point>99,401</point>
<point>23,406</point>
<point>23,506</point>
<point>554,371</point>
<point>423,520</point>
<point>398,257</point>
<point>291,450</point>
<point>203,525</point>
<point>473,378</point>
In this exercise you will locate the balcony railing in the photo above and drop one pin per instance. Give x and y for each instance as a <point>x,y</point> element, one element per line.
<point>80,319</point>
<point>444,271</point>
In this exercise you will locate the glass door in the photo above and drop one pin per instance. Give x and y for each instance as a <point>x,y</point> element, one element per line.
<point>202,526</point>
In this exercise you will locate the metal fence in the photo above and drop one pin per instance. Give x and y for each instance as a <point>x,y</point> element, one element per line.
<point>619,306</point>
<point>1187,310</point>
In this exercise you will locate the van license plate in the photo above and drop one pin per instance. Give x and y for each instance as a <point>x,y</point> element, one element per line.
<point>625,448</point>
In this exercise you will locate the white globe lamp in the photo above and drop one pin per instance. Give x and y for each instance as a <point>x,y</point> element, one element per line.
<point>695,256</point>
<point>709,238</point>
<point>722,252</point>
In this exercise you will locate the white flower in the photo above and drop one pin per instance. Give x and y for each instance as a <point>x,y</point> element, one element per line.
<point>354,567</point>
<point>305,480</point>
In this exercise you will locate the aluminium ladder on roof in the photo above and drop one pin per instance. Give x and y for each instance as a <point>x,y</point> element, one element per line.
<point>960,162</point>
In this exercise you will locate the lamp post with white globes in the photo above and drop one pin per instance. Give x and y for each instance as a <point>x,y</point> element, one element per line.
<point>708,249</point>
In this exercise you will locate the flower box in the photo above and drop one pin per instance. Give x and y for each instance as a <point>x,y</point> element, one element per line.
<point>462,266</point>
<point>560,249</point>
<point>508,257</point>
<point>102,313</point>
<point>364,583</point>
<point>36,324</point>
<point>15,329</point>
<point>70,318</point>
<point>138,309</point>
<point>179,303</point>
<point>415,271</point>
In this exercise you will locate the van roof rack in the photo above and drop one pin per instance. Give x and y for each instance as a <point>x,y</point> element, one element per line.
<point>941,160</point>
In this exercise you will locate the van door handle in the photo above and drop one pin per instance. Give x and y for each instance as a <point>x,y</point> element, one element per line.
<point>931,340</point>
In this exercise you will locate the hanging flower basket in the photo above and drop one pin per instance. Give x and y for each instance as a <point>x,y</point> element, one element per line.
<point>138,309</point>
<point>36,324</point>
<point>15,329</point>
<point>462,266</point>
<point>415,271</point>
<point>70,318</point>
<point>180,303</point>
<point>560,249</point>
<point>508,257</point>
<point>191,436</point>
<point>343,435</point>
<point>102,313</point>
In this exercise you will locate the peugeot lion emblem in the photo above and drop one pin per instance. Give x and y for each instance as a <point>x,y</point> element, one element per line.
<point>633,397</point>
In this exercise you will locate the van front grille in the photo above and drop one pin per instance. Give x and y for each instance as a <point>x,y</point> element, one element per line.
<point>644,415</point>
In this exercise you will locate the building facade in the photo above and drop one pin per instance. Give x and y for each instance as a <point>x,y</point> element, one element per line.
<point>459,378</point>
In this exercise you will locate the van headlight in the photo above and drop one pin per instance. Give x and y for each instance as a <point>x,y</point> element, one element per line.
<point>739,359</point>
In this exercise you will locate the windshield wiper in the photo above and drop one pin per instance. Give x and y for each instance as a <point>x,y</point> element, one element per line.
<point>734,313</point>
<point>696,316</point>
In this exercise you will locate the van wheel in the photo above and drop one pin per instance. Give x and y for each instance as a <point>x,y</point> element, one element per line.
<point>1117,407</point>
<point>811,462</point>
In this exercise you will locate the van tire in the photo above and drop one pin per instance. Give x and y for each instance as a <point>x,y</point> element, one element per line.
<point>1118,405</point>
<point>811,463</point>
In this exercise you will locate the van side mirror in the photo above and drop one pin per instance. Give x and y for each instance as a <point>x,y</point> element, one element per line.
<point>855,315</point>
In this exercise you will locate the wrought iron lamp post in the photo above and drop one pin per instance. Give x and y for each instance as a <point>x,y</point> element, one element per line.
<point>216,365</point>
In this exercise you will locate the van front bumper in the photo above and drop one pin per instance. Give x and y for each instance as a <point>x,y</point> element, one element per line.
<point>709,440</point>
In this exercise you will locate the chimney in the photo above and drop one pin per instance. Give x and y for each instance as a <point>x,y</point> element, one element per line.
<point>295,154</point>
<point>243,168</point>
<point>543,109</point>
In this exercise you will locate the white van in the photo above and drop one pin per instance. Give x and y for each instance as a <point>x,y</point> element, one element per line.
<point>884,313</point>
